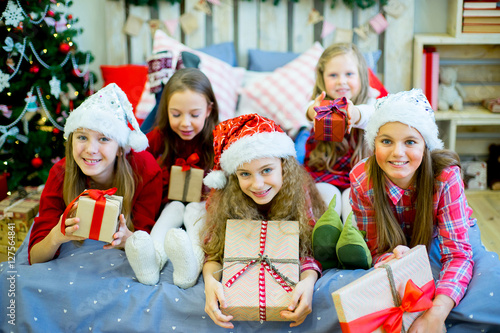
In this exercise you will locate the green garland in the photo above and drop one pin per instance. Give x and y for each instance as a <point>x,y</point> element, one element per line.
<point>363,4</point>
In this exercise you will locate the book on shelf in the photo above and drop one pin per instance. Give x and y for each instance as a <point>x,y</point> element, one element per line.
<point>481,4</point>
<point>481,20</point>
<point>481,12</point>
<point>430,76</point>
<point>492,104</point>
<point>487,28</point>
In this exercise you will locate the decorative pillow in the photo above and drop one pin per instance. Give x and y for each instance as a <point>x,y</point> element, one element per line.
<point>283,95</point>
<point>130,78</point>
<point>267,61</point>
<point>223,51</point>
<point>225,79</point>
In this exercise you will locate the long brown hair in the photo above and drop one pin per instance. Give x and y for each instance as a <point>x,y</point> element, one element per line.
<point>325,154</point>
<point>188,79</point>
<point>75,181</point>
<point>389,232</point>
<point>290,204</point>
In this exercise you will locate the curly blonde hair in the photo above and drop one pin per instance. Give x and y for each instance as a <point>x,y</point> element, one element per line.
<point>292,203</point>
<point>325,154</point>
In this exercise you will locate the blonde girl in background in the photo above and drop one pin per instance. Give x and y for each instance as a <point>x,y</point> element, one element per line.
<point>341,72</point>
<point>101,153</point>
<point>256,177</point>
<point>187,115</point>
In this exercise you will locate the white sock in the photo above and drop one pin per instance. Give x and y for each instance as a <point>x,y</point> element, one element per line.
<point>141,254</point>
<point>327,192</point>
<point>170,217</point>
<point>180,252</point>
<point>194,221</point>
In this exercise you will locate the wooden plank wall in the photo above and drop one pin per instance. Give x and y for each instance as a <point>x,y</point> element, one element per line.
<point>262,25</point>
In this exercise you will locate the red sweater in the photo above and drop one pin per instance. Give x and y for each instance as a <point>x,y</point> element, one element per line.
<point>157,147</point>
<point>145,203</point>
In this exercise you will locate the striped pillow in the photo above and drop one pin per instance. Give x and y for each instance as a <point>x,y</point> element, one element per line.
<point>225,79</point>
<point>283,95</point>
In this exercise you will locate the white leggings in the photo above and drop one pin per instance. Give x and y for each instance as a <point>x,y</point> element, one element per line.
<point>328,191</point>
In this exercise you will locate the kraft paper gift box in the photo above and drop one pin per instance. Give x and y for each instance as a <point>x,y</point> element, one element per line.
<point>370,303</point>
<point>330,123</point>
<point>186,180</point>
<point>258,290</point>
<point>96,223</point>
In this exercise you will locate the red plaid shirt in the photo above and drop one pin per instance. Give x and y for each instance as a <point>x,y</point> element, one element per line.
<point>452,219</point>
<point>340,175</point>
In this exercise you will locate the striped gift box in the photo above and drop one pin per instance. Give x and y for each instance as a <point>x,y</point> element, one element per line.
<point>259,289</point>
<point>369,302</point>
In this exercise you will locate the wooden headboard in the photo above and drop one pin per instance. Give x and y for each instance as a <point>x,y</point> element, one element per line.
<point>261,25</point>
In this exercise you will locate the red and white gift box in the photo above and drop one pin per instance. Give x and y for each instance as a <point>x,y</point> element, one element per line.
<point>261,267</point>
<point>387,299</point>
<point>98,212</point>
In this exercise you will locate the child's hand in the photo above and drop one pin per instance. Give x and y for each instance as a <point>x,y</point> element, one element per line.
<point>120,237</point>
<point>302,296</point>
<point>214,294</point>
<point>317,101</point>
<point>397,253</point>
<point>353,115</point>
<point>71,224</point>
<point>433,319</point>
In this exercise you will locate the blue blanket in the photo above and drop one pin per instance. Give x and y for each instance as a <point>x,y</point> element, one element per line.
<point>88,289</point>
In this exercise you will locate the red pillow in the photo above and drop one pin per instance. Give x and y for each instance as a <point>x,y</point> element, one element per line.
<point>376,84</point>
<point>130,78</point>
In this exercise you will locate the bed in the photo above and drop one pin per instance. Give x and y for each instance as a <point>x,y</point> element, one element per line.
<point>88,289</point>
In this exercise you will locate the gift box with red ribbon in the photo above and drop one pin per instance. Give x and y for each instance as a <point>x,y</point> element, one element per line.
<point>186,180</point>
<point>330,122</point>
<point>260,269</point>
<point>388,298</point>
<point>98,212</point>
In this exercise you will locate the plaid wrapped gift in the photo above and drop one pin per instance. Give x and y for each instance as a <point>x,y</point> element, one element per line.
<point>261,267</point>
<point>330,123</point>
<point>98,212</point>
<point>186,180</point>
<point>388,298</point>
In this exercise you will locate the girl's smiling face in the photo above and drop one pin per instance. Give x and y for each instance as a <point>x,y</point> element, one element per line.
<point>261,179</point>
<point>95,154</point>
<point>341,77</point>
<point>187,112</point>
<point>399,150</point>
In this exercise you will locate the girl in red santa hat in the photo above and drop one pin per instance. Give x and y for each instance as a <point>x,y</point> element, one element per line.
<point>257,177</point>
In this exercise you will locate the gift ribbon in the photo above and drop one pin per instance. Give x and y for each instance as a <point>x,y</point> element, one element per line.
<point>266,263</point>
<point>333,107</point>
<point>100,205</point>
<point>415,299</point>
<point>186,166</point>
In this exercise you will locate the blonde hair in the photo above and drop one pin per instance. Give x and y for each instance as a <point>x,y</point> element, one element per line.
<point>75,181</point>
<point>389,232</point>
<point>325,154</point>
<point>289,204</point>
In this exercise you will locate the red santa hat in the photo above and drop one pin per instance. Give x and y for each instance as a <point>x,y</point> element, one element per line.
<point>243,139</point>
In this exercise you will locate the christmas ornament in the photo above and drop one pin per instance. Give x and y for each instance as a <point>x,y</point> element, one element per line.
<point>4,81</point>
<point>203,7</point>
<point>10,63</point>
<point>50,13</point>
<point>36,162</point>
<point>314,17</point>
<point>64,48</point>
<point>6,112</point>
<point>34,69</point>
<point>11,46</point>
<point>13,14</point>
<point>56,131</point>
<point>55,87</point>
<point>69,17</point>
<point>31,102</point>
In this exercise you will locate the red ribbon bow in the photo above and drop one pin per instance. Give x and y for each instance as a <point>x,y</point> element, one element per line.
<point>189,163</point>
<point>100,205</point>
<point>415,299</point>
<point>332,107</point>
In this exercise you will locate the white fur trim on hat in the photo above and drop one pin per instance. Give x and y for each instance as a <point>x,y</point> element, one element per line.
<point>407,107</point>
<point>108,111</point>
<point>215,179</point>
<point>259,145</point>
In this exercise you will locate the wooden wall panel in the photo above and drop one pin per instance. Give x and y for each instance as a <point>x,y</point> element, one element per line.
<point>248,26</point>
<point>341,17</point>
<point>302,32</point>
<point>197,38</point>
<point>116,41</point>
<point>141,45</point>
<point>223,22</point>
<point>273,32</point>
<point>167,11</point>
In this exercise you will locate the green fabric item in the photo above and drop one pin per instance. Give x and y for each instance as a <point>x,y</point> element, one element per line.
<point>325,235</point>
<point>352,251</point>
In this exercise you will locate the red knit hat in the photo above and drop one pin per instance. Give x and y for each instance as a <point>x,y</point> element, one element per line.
<point>243,139</point>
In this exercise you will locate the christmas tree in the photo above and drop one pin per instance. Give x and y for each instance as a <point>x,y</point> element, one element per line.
<point>43,77</point>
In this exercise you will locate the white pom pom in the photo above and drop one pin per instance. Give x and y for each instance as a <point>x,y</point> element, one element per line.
<point>137,141</point>
<point>215,179</point>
